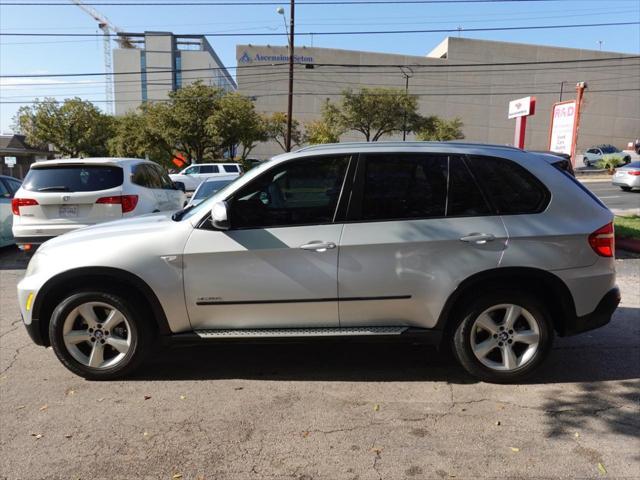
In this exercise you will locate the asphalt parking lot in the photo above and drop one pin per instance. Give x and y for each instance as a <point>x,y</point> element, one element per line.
<point>322,411</point>
<point>613,197</point>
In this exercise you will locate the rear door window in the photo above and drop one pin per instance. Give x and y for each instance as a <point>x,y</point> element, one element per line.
<point>73,178</point>
<point>510,188</point>
<point>464,197</point>
<point>208,169</point>
<point>398,186</point>
<point>165,181</point>
<point>4,191</point>
<point>14,185</point>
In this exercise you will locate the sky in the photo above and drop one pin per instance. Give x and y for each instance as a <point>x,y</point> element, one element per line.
<point>46,56</point>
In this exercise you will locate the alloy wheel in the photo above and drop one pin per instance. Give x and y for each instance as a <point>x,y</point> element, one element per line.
<point>97,335</point>
<point>505,337</point>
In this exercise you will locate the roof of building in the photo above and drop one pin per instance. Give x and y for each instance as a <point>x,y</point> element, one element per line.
<point>16,144</point>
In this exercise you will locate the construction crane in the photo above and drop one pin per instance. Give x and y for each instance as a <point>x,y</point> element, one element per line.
<point>108,29</point>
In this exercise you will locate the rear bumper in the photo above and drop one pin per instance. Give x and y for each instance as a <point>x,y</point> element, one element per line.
<point>37,234</point>
<point>599,317</point>
<point>31,240</point>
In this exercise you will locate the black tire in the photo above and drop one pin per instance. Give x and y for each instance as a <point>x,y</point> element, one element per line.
<point>626,189</point>
<point>140,329</point>
<point>586,162</point>
<point>462,348</point>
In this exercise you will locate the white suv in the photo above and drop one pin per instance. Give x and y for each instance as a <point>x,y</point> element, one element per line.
<point>194,175</point>
<point>58,196</point>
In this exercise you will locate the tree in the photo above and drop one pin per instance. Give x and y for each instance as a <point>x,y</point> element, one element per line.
<point>375,112</point>
<point>326,130</point>
<point>439,129</point>
<point>236,122</point>
<point>133,138</point>
<point>182,121</point>
<point>76,128</point>
<point>276,129</point>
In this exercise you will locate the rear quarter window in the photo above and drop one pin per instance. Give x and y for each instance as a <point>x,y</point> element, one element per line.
<point>73,178</point>
<point>510,188</point>
<point>231,168</point>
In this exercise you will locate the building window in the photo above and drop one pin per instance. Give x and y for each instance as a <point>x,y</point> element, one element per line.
<point>143,75</point>
<point>178,70</point>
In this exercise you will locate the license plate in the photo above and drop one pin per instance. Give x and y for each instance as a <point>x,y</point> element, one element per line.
<point>68,211</point>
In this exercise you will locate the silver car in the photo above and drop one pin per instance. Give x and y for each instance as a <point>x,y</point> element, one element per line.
<point>208,188</point>
<point>627,177</point>
<point>488,249</point>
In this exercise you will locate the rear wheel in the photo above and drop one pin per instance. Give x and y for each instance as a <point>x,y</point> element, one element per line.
<point>99,336</point>
<point>626,189</point>
<point>503,337</point>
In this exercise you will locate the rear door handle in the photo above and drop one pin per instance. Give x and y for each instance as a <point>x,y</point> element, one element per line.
<point>478,238</point>
<point>318,246</point>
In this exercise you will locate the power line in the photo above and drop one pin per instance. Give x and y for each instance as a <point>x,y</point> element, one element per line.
<point>341,65</point>
<point>325,94</point>
<point>349,32</point>
<point>300,2</point>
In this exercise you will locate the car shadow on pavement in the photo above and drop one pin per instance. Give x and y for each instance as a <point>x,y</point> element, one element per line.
<point>311,361</point>
<point>13,259</point>
<point>575,359</point>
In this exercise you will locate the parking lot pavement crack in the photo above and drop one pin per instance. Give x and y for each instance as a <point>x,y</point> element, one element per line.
<point>376,458</point>
<point>15,357</point>
<point>17,326</point>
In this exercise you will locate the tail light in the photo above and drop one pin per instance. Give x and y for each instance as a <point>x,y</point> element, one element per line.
<point>127,202</point>
<point>602,241</point>
<point>16,203</point>
<point>634,172</point>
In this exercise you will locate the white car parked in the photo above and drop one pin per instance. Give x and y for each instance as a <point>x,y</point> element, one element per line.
<point>209,187</point>
<point>194,175</point>
<point>58,196</point>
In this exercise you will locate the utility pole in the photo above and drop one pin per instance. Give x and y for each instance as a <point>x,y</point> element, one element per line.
<point>407,73</point>
<point>290,103</point>
<point>561,89</point>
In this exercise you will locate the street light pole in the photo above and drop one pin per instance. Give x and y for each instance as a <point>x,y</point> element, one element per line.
<point>290,103</point>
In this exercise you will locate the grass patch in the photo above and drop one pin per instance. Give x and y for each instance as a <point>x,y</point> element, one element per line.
<point>628,227</point>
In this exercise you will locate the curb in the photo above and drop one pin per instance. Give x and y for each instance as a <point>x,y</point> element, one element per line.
<point>628,244</point>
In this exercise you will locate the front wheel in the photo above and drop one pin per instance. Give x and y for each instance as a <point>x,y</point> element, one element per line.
<point>99,336</point>
<point>503,337</point>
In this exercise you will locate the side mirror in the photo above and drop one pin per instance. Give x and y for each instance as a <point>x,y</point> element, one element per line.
<point>219,217</point>
<point>180,186</point>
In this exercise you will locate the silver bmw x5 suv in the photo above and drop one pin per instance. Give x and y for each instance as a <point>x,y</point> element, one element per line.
<point>487,249</point>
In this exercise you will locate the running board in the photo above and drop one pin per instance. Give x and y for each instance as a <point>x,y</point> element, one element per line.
<point>298,332</point>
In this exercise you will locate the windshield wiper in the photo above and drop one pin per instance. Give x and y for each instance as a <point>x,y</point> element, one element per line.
<point>176,217</point>
<point>55,188</point>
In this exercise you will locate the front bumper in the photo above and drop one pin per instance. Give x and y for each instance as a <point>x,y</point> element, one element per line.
<point>598,318</point>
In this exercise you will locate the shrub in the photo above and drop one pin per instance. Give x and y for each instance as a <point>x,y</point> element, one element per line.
<point>609,162</point>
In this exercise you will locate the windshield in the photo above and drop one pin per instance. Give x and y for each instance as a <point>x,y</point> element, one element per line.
<point>222,194</point>
<point>73,178</point>
<point>209,188</point>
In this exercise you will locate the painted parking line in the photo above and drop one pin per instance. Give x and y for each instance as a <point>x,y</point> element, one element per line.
<point>615,196</point>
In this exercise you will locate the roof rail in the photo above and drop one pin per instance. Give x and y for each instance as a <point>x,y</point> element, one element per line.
<point>326,146</point>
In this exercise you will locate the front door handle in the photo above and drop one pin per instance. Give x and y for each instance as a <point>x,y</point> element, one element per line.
<point>478,238</point>
<point>318,246</point>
